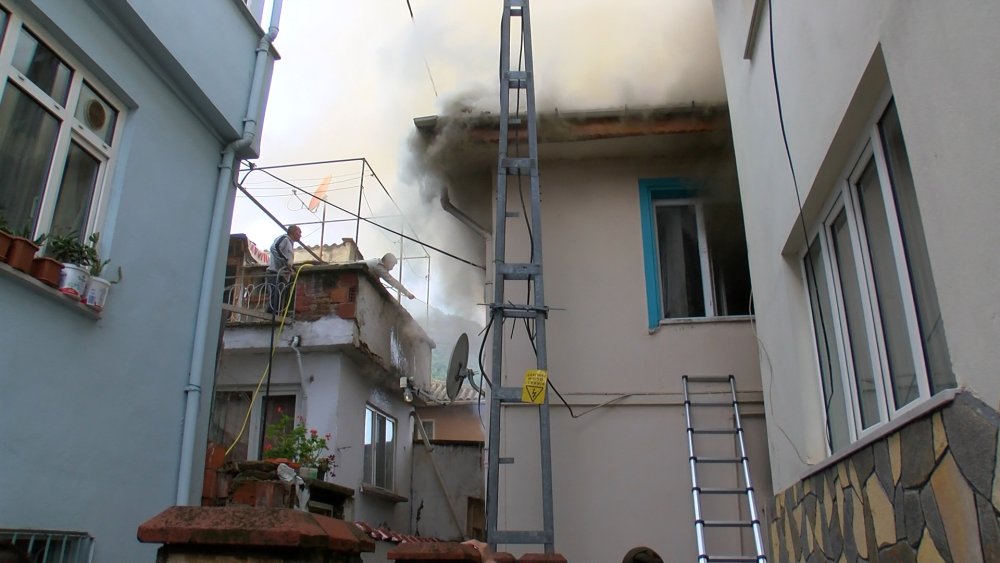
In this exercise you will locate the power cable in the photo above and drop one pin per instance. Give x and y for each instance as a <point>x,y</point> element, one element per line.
<point>426,65</point>
<point>802,224</point>
<point>369,221</point>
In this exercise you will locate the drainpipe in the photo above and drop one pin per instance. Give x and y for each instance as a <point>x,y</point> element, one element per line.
<point>462,216</point>
<point>208,293</point>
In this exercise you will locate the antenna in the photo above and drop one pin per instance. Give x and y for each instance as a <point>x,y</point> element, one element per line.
<point>457,370</point>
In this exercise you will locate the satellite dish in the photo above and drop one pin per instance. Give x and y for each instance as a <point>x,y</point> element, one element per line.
<point>458,371</point>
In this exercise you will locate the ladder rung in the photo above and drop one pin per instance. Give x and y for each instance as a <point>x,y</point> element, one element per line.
<point>731,558</point>
<point>711,403</point>
<point>708,378</point>
<point>698,459</point>
<point>714,430</point>
<point>719,491</point>
<point>519,271</point>
<point>517,79</point>
<point>727,523</point>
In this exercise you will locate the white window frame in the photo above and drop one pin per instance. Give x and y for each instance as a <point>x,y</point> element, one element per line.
<point>70,128</point>
<point>705,259</point>
<point>254,424</point>
<point>845,199</point>
<point>369,480</point>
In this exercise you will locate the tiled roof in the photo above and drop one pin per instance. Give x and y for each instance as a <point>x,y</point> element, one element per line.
<point>387,535</point>
<point>438,390</point>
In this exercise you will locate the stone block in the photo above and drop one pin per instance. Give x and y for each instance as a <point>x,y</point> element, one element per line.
<point>916,448</point>
<point>928,551</point>
<point>913,517</point>
<point>989,529</point>
<point>898,553</point>
<point>894,457</point>
<point>971,427</point>
<point>864,463</point>
<point>932,521</point>
<point>882,512</point>
<point>883,466</point>
<point>957,506</point>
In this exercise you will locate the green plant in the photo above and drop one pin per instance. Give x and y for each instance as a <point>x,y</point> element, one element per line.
<point>26,233</point>
<point>68,249</point>
<point>297,443</point>
<point>94,258</point>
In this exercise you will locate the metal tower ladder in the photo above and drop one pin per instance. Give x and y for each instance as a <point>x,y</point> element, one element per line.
<point>513,81</point>
<point>705,388</point>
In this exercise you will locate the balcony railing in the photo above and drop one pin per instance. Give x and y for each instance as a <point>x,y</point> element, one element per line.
<point>248,299</point>
<point>44,546</point>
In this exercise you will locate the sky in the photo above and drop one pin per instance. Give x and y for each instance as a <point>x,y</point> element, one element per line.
<point>353,75</point>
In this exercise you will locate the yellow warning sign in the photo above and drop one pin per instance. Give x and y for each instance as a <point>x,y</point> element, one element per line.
<point>533,390</point>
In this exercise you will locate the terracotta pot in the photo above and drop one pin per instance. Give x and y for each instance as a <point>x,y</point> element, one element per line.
<point>21,253</point>
<point>5,240</point>
<point>46,270</point>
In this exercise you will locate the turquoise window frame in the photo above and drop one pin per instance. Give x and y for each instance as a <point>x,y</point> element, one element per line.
<point>652,190</point>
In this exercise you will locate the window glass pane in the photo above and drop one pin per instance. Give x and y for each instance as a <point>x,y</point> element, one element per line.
<point>3,25</point>
<point>902,372</point>
<point>369,467</point>
<point>96,114</point>
<point>728,249</point>
<point>680,265</point>
<point>228,413</point>
<point>861,354</point>
<point>831,372</point>
<point>42,66</point>
<point>27,140</point>
<point>380,438</point>
<point>390,450</point>
<point>76,192</point>
<point>918,262</point>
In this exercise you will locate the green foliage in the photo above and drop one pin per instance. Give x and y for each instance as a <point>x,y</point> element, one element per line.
<point>68,249</point>
<point>301,445</point>
<point>94,256</point>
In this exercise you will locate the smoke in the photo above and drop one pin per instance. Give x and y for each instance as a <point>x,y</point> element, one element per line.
<point>352,77</point>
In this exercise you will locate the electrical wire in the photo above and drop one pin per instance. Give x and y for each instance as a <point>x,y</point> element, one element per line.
<point>802,222</point>
<point>369,221</point>
<point>270,359</point>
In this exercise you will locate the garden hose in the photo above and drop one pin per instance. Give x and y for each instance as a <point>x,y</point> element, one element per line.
<point>274,347</point>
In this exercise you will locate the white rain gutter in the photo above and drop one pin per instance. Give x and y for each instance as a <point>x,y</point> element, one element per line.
<point>208,291</point>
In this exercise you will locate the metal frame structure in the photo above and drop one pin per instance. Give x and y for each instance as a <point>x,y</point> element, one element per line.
<point>515,165</point>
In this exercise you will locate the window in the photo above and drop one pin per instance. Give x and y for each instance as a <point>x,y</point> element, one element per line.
<point>380,448</point>
<point>695,253</point>
<point>880,341</point>
<point>229,414</point>
<point>57,133</point>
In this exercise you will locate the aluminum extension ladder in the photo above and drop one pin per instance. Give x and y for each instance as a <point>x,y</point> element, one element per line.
<point>705,387</point>
<point>514,81</point>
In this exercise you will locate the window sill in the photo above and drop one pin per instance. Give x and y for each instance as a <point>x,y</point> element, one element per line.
<point>381,493</point>
<point>701,320</point>
<point>40,288</point>
<point>925,408</point>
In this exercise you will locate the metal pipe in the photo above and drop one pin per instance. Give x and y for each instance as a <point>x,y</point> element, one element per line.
<point>209,295</point>
<point>437,473</point>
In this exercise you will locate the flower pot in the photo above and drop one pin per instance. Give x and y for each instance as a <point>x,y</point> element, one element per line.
<point>308,472</point>
<point>46,270</point>
<point>96,293</point>
<point>5,240</point>
<point>21,253</point>
<point>73,280</point>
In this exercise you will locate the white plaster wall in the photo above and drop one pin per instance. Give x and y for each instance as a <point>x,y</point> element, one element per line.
<point>620,473</point>
<point>357,390</point>
<point>461,469</point>
<point>938,60</point>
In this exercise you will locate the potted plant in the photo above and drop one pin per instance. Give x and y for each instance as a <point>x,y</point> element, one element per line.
<point>5,238</point>
<point>300,445</point>
<point>75,257</point>
<point>47,270</point>
<point>22,250</point>
<point>96,293</point>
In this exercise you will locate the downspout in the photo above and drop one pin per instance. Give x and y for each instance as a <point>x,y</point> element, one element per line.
<point>462,216</point>
<point>205,302</point>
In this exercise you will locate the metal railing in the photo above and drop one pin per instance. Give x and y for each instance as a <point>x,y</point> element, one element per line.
<point>248,299</point>
<point>48,546</point>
